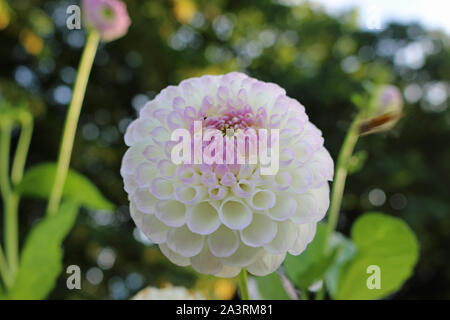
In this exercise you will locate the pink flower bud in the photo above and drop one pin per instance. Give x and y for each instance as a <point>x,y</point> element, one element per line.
<point>385,110</point>
<point>108,17</point>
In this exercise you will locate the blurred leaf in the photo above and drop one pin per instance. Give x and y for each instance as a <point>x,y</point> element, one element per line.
<point>38,182</point>
<point>312,264</point>
<point>383,241</point>
<point>271,287</point>
<point>41,259</point>
<point>356,162</point>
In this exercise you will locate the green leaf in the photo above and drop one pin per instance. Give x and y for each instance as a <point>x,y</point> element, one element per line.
<point>38,182</point>
<point>41,258</point>
<point>271,287</point>
<point>382,241</point>
<point>312,264</point>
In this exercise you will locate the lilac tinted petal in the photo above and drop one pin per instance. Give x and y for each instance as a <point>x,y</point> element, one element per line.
<point>223,242</point>
<point>174,257</point>
<point>235,214</point>
<point>202,218</point>
<point>185,242</point>
<point>171,212</point>
<point>266,264</point>
<point>206,262</point>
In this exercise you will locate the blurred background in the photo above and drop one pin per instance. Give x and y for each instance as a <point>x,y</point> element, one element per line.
<point>321,52</point>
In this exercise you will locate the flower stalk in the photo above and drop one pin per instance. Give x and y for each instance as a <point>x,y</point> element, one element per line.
<point>5,188</point>
<point>71,123</point>
<point>337,190</point>
<point>26,121</point>
<point>4,273</point>
<point>243,286</point>
<point>9,260</point>
<point>9,207</point>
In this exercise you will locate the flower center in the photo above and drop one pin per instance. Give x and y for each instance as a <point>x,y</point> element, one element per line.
<point>234,119</point>
<point>107,13</point>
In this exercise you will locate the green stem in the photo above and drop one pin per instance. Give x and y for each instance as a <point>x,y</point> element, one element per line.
<point>12,234</point>
<point>5,143</point>
<point>337,190</point>
<point>321,294</point>
<point>243,286</point>
<point>9,206</point>
<point>71,123</point>
<point>26,132</point>
<point>305,294</point>
<point>4,273</point>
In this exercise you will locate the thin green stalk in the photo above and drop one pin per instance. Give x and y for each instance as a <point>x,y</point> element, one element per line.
<point>305,294</point>
<point>4,273</point>
<point>340,176</point>
<point>71,123</point>
<point>12,234</point>
<point>337,190</point>
<point>243,286</point>
<point>9,202</point>
<point>5,143</point>
<point>321,293</point>
<point>26,132</point>
<point>12,205</point>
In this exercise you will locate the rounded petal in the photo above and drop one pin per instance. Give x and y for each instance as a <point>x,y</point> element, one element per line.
<point>305,234</point>
<point>266,264</point>
<point>206,262</point>
<point>235,214</point>
<point>202,218</point>
<point>260,232</point>
<point>285,207</point>
<point>284,239</point>
<point>228,272</point>
<point>136,214</point>
<point>243,256</point>
<point>174,257</point>
<point>302,179</point>
<point>306,210</point>
<point>224,242</point>
<point>154,229</point>
<point>171,212</point>
<point>183,241</point>
<point>190,194</point>
<point>162,188</point>
<point>262,199</point>
<point>144,200</point>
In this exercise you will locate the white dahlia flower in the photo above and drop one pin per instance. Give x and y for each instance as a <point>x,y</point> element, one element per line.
<point>220,218</point>
<point>169,293</point>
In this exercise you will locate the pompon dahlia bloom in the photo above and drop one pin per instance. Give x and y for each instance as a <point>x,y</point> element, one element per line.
<point>220,218</point>
<point>170,293</point>
<point>108,17</point>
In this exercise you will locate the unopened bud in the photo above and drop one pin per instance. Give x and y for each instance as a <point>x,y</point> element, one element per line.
<point>384,111</point>
<point>108,17</point>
